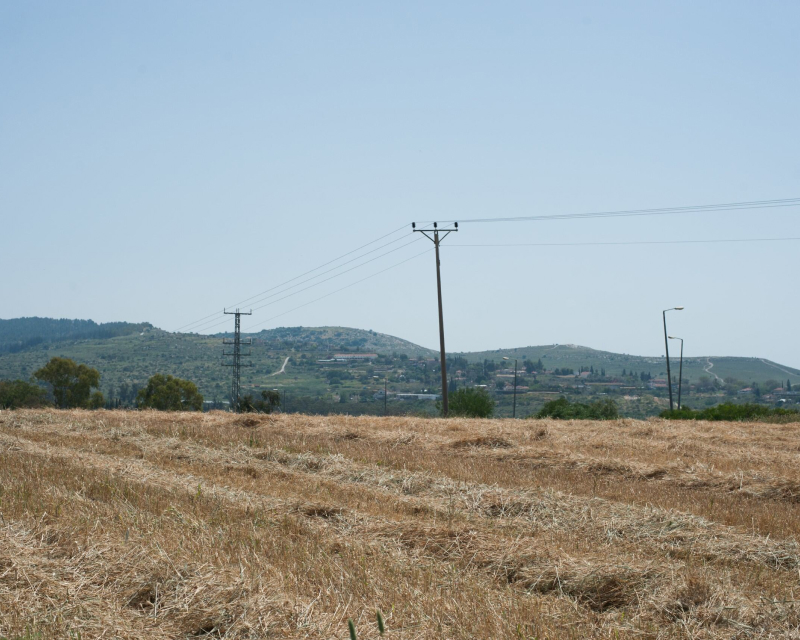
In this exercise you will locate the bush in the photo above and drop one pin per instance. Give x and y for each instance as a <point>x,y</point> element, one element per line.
<point>18,394</point>
<point>72,383</point>
<point>473,402</point>
<point>563,409</point>
<point>96,400</point>
<point>166,393</point>
<point>730,412</point>
<point>269,401</point>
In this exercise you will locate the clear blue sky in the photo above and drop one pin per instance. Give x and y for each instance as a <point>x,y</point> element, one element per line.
<point>161,160</point>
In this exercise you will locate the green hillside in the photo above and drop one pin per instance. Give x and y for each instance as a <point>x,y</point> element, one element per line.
<point>311,376</point>
<point>324,339</point>
<point>575,356</point>
<point>131,359</point>
<point>18,334</point>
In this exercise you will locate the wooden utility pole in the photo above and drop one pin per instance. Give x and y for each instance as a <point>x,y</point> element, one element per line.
<point>436,239</point>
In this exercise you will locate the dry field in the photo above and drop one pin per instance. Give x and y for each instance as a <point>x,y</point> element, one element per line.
<point>151,525</point>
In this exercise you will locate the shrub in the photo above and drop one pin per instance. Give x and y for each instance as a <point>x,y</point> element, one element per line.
<point>166,393</point>
<point>18,394</point>
<point>269,401</point>
<point>563,409</point>
<point>731,413</point>
<point>72,383</point>
<point>472,402</point>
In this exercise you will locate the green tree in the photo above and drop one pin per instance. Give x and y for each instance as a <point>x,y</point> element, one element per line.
<point>268,402</point>
<point>473,402</point>
<point>96,400</point>
<point>18,394</point>
<point>71,383</point>
<point>563,409</point>
<point>166,393</point>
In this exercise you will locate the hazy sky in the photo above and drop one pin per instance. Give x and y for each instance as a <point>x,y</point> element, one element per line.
<point>161,160</point>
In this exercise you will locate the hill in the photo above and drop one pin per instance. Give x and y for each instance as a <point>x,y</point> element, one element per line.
<point>336,339</point>
<point>18,334</point>
<point>575,356</point>
<point>297,360</point>
<point>127,361</point>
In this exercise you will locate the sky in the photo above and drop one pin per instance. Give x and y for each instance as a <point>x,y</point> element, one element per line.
<point>160,161</point>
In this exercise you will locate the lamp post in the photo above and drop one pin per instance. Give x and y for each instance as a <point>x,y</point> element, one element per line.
<point>515,384</point>
<point>680,373</point>
<point>666,345</point>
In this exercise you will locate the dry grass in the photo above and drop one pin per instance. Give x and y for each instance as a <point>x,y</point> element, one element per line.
<point>144,524</point>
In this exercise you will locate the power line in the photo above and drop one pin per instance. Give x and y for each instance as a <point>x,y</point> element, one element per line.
<point>344,255</point>
<point>352,284</point>
<point>294,293</point>
<point>204,325</point>
<point>706,208</point>
<point>590,244</point>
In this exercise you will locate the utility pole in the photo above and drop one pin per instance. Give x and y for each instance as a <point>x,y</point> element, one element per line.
<point>237,355</point>
<point>515,388</point>
<point>436,240</point>
<point>666,346</point>
<point>680,374</point>
<point>515,384</point>
<point>385,383</point>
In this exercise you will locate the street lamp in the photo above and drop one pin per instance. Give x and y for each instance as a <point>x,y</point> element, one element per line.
<point>515,384</point>
<point>666,345</point>
<point>680,373</point>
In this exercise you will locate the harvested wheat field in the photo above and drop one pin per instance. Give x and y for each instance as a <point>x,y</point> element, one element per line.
<point>119,524</point>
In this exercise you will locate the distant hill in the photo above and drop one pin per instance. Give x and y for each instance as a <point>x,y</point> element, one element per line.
<point>129,353</point>
<point>575,356</point>
<point>133,357</point>
<point>19,334</point>
<point>336,339</point>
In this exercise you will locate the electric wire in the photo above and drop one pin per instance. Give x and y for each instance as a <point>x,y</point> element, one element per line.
<point>207,328</point>
<point>325,264</point>
<point>634,242</point>
<point>730,206</point>
<point>205,325</point>
<point>352,284</point>
<point>537,244</point>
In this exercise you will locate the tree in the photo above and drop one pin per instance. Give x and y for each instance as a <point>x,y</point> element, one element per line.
<point>96,401</point>
<point>269,401</point>
<point>788,384</point>
<point>71,383</point>
<point>18,394</point>
<point>471,402</point>
<point>563,409</point>
<point>166,393</point>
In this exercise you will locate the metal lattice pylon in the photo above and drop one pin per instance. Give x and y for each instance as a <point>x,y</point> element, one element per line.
<point>237,356</point>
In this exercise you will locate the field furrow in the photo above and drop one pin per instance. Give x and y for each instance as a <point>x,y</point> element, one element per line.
<point>170,525</point>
